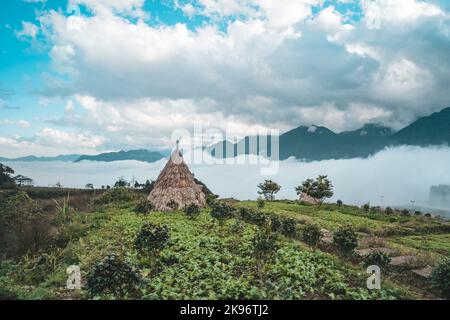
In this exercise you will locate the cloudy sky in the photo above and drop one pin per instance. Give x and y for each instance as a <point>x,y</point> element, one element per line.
<point>85,76</point>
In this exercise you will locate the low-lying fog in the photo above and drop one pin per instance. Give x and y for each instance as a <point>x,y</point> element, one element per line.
<point>399,175</point>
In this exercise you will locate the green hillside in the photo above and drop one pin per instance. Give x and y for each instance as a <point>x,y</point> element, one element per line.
<point>206,258</point>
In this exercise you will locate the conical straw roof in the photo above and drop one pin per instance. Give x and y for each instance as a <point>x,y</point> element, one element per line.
<point>176,184</point>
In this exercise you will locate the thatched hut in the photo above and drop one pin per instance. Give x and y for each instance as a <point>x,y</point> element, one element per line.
<point>176,186</point>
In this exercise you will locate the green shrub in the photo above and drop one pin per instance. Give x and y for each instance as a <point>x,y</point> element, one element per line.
<point>192,210</point>
<point>253,216</point>
<point>376,258</point>
<point>222,211</point>
<point>260,203</point>
<point>265,244</point>
<point>236,226</point>
<point>440,277</point>
<point>112,276</point>
<point>339,203</point>
<point>288,227</point>
<point>172,204</point>
<point>116,195</point>
<point>312,235</point>
<point>144,207</point>
<point>211,199</point>
<point>275,222</point>
<point>24,226</point>
<point>366,207</point>
<point>151,238</point>
<point>345,240</point>
<point>405,213</point>
<point>389,211</point>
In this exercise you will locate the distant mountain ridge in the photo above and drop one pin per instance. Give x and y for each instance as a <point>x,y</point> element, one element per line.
<point>313,143</point>
<point>65,158</point>
<point>139,155</point>
<point>310,143</point>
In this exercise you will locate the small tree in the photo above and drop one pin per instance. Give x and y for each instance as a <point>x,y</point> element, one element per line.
<point>112,276</point>
<point>192,211</point>
<point>268,189</point>
<point>440,277</point>
<point>264,244</point>
<point>121,183</point>
<point>366,207</point>
<point>312,235</point>
<point>6,179</point>
<point>151,238</point>
<point>148,186</point>
<point>222,211</point>
<point>339,203</point>
<point>260,203</point>
<point>264,248</point>
<point>90,186</point>
<point>346,240</point>
<point>144,206</point>
<point>377,258</point>
<point>319,189</point>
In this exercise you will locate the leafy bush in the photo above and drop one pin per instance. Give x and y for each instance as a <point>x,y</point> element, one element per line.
<point>440,277</point>
<point>236,227</point>
<point>288,227</point>
<point>346,240</point>
<point>405,213</point>
<point>116,195</point>
<point>312,235</point>
<point>260,203</point>
<point>253,216</point>
<point>144,206</point>
<point>389,211</point>
<point>366,207</point>
<point>151,238</point>
<point>339,203</point>
<point>172,204</point>
<point>265,244</point>
<point>23,225</point>
<point>376,258</point>
<point>222,211</point>
<point>112,276</point>
<point>211,199</point>
<point>192,210</point>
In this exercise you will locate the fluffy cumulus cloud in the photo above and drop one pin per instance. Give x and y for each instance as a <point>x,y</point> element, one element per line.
<point>131,78</point>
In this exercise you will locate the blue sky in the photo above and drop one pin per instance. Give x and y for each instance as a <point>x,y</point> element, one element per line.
<point>125,74</point>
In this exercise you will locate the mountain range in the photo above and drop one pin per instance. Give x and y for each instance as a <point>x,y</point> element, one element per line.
<point>319,143</point>
<point>305,142</point>
<point>139,155</point>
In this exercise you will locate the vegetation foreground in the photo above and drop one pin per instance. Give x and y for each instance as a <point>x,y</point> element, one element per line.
<point>230,250</point>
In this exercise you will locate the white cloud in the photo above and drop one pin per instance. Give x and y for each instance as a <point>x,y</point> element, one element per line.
<point>29,30</point>
<point>400,12</point>
<point>21,123</point>
<point>271,65</point>
<point>55,137</point>
<point>107,7</point>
